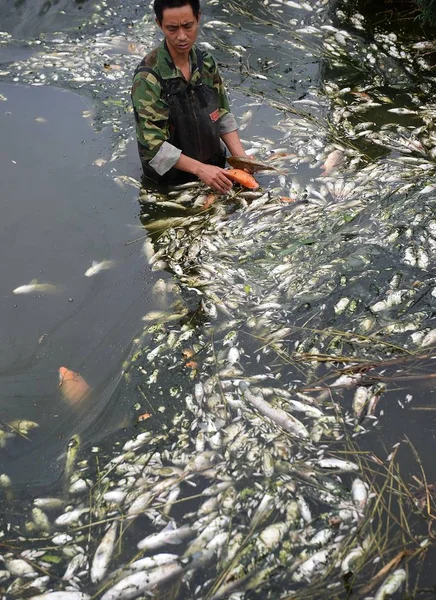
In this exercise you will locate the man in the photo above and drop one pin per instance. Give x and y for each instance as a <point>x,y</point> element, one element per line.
<point>181,108</point>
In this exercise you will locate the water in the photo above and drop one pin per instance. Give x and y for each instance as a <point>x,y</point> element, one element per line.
<point>65,211</point>
<point>69,211</point>
<point>60,213</point>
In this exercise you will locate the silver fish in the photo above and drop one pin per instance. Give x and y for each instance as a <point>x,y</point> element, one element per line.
<point>97,267</point>
<point>169,535</point>
<point>103,554</point>
<point>143,582</point>
<point>34,288</point>
<point>391,585</point>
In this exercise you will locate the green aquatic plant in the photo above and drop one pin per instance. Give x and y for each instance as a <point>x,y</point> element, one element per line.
<point>427,10</point>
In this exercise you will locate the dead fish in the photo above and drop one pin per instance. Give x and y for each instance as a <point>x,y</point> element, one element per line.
<point>360,494</point>
<point>99,266</point>
<point>250,164</point>
<point>336,463</point>
<point>22,426</point>
<point>209,200</point>
<point>34,286</point>
<point>70,595</point>
<point>402,111</point>
<point>104,553</point>
<point>169,535</point>
<point>143,582</point>
<point>391,584</point>
<point>245,120</point>
<point>137,49</point>
<point>73,387</point>
<point>127,180</point>
<point>333,160</point>
<point>277,415</point>
<point>243,178</point>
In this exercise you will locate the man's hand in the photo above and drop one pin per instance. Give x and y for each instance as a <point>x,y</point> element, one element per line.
<point>214,177</point>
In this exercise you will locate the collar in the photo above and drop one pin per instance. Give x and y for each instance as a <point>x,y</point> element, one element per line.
<point>171,70</point>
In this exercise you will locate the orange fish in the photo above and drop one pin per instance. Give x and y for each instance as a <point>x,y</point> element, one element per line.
<point>73,387</point>
<point>144,417</point>
<point>210,199</point>
<point>243,178</point>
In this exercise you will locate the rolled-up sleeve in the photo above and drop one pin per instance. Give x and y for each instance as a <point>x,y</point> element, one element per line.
<point>227,123</point>
<point>165,158</point>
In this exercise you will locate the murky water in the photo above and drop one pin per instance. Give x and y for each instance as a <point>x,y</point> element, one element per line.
<point>61,212</point>
<point>69,211</point>
<point>316,270</point>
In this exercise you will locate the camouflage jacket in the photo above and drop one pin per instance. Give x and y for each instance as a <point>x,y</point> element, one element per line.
<point>152,111</point>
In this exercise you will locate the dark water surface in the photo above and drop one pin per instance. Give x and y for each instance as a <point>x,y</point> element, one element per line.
<point>60,212</point>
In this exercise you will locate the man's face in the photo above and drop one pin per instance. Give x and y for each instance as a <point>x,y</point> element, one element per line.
<point>180,28</point>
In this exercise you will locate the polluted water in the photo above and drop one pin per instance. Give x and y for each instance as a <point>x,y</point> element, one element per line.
<point>298,318</point>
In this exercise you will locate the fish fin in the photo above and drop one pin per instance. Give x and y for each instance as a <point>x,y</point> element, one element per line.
<point>33,282</point>
<point>94,263</point>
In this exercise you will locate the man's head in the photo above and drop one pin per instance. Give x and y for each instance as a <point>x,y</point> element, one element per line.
<point>160,5</point>
<point>178,20</point>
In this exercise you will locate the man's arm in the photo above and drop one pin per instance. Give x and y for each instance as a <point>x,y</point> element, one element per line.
<point>152,124</point>
<point>153,135</point>
<point>212,176</point>
<point>233,143</point>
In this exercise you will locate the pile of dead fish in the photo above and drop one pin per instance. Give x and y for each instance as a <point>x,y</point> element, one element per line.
<point>269,506</point>
<point>247,490</point>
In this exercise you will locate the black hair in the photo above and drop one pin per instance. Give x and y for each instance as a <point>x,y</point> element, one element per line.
<point>160,5</point>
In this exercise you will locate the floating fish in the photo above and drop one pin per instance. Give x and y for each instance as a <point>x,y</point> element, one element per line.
<point>35,287</point>
<point>402,111</point>
<point>333,160</point>
<point>99,266</point>
<point>72,385</point>
<point>169,535</point>
<point>143,582</point>
<point>250,164</point>
<point>103,554</point>
<point>360,494</point>
<point>391,584</point>
<point>209,200</point>
<point>243,178</point>
<point>22,426</point>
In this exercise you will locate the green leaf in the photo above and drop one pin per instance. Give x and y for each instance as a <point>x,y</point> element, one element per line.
<point>52,558</point>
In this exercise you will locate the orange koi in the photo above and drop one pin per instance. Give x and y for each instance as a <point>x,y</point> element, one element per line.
<point>210,199</point>
<point>362,95</point>
<point>144,417</point>
<point>243,178</point>
<point>72,385</point>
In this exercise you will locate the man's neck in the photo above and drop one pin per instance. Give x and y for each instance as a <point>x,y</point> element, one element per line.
<point>181,61</point>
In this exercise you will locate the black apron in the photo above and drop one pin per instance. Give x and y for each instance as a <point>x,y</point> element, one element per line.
<point>193,126</point>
